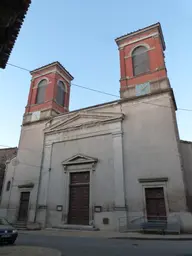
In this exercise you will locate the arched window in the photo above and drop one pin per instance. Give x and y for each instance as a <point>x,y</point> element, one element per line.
<point>41,91</point>
<point>60,98</point>
<point>8,185</point>
<point>140,60</point>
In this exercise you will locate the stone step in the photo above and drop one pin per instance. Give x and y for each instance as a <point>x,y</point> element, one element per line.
<point>21,228</point>
<point>75,227</point>
<point>20,225</point>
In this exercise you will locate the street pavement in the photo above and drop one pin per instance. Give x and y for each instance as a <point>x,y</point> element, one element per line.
<point>109,234</point>
<point>95,246</point>
<point>27,250</point>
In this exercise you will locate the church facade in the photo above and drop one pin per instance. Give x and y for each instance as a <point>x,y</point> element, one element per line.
<point>106,164</point>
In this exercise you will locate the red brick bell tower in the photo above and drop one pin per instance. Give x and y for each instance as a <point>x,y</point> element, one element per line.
<point>142,65</point>
<point>49,92</point>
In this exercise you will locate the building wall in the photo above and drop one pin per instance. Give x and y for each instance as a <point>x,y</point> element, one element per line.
<point>102,178</point>
<point>152,40</point>
<point>6,154</point>
<point>9,174</point>
<point>186,153</point>
<point>52,74</point>
<point>150,150</point>
<point>24,170</point>
<point>98,142</point>
<point>144,145</point>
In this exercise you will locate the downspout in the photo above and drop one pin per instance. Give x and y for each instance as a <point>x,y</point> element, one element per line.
<point>39,180</point>
<point>125,66</point>
<point>47,198</point>
<point>31,92</point>
<point>124,177</point>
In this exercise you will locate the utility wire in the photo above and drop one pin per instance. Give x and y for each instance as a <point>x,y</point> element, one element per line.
<point>105,93</point>
<point>94,90</point>
<point>86,88</point>
<point>77,85</point>
<point>18,67</point>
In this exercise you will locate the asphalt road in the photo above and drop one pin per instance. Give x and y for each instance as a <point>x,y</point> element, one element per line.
<point>81,246</point>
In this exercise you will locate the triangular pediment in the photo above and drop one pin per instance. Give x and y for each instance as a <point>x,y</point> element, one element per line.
<point>79,159</point>
<point>79,119</point>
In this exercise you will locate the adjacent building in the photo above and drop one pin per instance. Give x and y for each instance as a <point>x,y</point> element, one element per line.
<point>6,155</point>
<point>95,166</point>
<point>12,14</point>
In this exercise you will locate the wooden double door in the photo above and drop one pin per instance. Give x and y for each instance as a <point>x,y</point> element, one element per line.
<point>79,198</point>
<point>24,205</point>
<point>155,204</point>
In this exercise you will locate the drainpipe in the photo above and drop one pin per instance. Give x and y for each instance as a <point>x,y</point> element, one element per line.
<point>48,185</point>
<point>39,181</point>
<point>125,190</point>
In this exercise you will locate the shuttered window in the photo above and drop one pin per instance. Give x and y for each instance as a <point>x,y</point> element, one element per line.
<point>60,98</point>
<point>41,91</point>
<point>140,60</point>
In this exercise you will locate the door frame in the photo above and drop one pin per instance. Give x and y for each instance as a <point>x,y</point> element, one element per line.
<point>78,163</point>
<point>20,191</point>
<point>155,185</point>
<point>67,194</point>
<point>90,203</point>
<point>84,164</point>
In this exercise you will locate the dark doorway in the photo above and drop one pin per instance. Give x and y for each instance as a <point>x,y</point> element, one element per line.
<point>24,204</point>
<point>155,204</point>
<point>79,198</point>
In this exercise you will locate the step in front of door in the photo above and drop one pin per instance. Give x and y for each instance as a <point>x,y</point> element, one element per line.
<point>76,227</point>
<point>19,225</point>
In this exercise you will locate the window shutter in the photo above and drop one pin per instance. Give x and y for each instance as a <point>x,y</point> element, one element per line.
<point>140,60</point>
<point>60,93</point>
<point>40,95</point>
<point>41,92</point>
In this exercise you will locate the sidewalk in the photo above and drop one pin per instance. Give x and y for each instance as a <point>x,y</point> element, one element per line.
<point>107,234</point>
<point>27,250</point>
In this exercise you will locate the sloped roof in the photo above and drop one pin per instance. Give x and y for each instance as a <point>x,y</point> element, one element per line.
<point>156,25</point>
<point>12,15</point>
<point>7,154</point>
<point>55,63</point>
<point>186,142</point>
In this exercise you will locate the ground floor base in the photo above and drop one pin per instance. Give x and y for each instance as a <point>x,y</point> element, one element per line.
<point>111,220</point>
